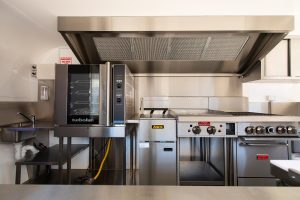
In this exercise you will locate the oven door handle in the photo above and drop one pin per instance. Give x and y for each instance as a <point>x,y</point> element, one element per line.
<point>245,143</point>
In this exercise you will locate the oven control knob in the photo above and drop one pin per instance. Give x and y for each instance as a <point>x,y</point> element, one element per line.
<point>291,130</point>
<point>249,129</point>
<point>211,130</point>
<point>260,130</point>
<point>280,129</point>
<point>270,129</point>
<point>196,130</point>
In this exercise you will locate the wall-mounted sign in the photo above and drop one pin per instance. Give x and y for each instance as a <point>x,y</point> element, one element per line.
<point>65,60</point>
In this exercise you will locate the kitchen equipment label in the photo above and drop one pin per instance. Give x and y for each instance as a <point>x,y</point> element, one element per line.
<point>262,156</point>
<point>203,123</point>
<point>158,126</point>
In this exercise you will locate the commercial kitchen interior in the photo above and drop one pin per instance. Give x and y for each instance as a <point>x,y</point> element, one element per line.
<point>150,99</point>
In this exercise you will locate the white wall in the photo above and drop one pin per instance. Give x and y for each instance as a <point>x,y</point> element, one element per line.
<point>297,18</point>
<point>263,92</point>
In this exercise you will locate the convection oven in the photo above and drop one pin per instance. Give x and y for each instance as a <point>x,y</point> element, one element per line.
<point>93,100</point>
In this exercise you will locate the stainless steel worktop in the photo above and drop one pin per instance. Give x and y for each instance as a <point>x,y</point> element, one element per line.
<point>27,126</point>
<point>18,132</point>
<point>38,192</point>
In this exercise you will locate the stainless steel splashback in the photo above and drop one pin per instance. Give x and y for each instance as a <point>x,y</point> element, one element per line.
<point>200,44</point>
<point>44,110</point>
<point>177,104</point>
<point>184,87</point>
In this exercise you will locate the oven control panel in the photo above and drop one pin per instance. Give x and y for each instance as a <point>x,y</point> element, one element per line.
<point>267,129</point>
<point>206,129</point>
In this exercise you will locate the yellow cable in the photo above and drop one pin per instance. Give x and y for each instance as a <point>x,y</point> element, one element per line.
<point>104,159</point>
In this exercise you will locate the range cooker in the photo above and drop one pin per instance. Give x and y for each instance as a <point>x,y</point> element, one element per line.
<point>212,123</point>
<point>253,138</point>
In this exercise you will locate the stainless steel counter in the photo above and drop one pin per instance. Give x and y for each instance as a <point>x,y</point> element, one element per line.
<point>27,126</point>
<point>18,132</point>
<point>39,192</point>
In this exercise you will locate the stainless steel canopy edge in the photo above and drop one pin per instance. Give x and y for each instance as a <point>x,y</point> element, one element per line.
<point>276,24</point>
<point>202,44</point>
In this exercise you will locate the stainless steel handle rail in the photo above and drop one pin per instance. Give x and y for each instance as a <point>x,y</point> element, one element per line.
<point>108,95</point>
<point>244,143</point>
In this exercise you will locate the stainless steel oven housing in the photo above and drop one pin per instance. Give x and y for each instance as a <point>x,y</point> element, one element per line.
<point>115,101</point>
<point>253,159</point>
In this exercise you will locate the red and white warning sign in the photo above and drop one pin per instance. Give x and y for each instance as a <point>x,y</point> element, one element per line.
<point>66,60</point>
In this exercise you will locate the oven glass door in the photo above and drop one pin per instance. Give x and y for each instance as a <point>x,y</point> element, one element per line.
<point>83,94</point>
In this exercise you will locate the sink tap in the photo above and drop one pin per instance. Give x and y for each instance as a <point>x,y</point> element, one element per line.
<point>32,118</point>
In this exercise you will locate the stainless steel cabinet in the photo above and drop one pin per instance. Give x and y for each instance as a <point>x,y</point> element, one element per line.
<point>295,57</point>
<point>157,150</point>
<point>282,64</point>
<point>157,163</point>
<point>276,62</point>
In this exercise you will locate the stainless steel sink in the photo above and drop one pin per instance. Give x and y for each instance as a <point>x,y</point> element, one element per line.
<point>17,132</point>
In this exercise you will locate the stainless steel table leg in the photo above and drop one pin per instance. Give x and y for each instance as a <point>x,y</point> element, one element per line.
<point>92,155</point>
<point>60,159</point>
<point>93,161</point>
<point>225,163</point>
<point>69,146</point>
<point>124,161</point>
<point>18,174</point>
<point>131,153</point>
<point>37,172</point>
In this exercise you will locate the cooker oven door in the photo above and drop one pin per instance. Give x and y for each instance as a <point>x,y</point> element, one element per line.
<point>254,155</point>
<point>82,95</point>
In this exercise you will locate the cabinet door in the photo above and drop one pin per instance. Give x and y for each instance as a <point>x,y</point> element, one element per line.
<point>276,62</point>
<point>295,57</point>
<point>157,163</point>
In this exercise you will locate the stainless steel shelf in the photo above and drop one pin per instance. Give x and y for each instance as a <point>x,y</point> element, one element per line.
<point>107,177</point>
<point>199,173</point>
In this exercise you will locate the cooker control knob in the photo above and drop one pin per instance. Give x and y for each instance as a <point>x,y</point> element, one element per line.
<point>291,130</point>
<point>249,129</point>
<point>211,130</point>
<point>196,130</point>
<point>270,129</point>
<point>280,129</point>
<point>260,130</point>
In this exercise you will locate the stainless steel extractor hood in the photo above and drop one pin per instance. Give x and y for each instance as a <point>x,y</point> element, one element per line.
<point>202,44</point>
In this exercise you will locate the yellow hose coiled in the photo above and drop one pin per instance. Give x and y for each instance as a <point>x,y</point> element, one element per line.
<point>104,159</point>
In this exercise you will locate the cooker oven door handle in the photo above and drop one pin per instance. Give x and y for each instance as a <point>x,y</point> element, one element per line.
<point>245,143</point>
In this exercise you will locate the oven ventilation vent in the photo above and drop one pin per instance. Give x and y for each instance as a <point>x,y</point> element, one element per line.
<point>201,48</point>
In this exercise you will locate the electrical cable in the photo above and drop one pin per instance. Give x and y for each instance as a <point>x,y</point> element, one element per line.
<point>103,161</point>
